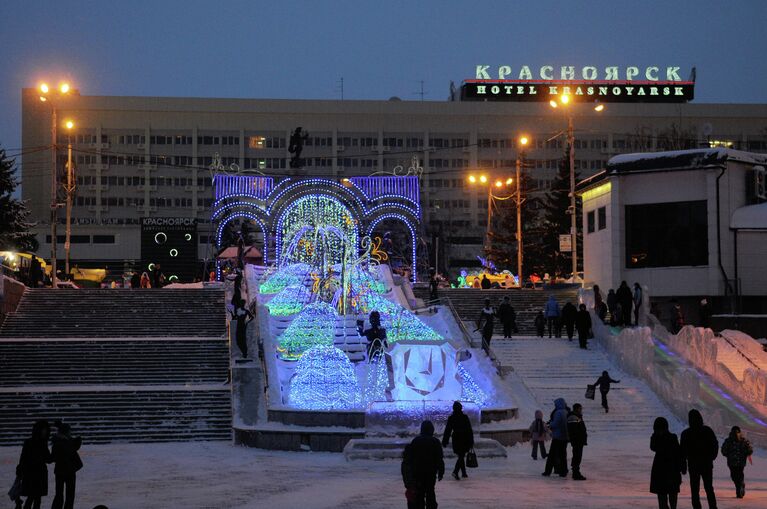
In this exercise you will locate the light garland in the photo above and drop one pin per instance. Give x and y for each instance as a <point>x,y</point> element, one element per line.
<point>289,301</point>
<point>377,379</point>
<point>314,326</point>
<point>400,324</point>
<point>288,275</point>
<point>324,380</point>
<point>470,391</point>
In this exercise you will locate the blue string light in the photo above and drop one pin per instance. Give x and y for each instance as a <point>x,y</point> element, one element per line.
<point>324,380</point>
<point>314,326</point>
<point>289,301</point>
<point>377,379</point>
<point>289,275</point>
<point>470,390</point>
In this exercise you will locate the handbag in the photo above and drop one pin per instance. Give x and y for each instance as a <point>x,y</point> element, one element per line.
<point>471,459</point>
<point>15,492</point>
<point>590,391</point>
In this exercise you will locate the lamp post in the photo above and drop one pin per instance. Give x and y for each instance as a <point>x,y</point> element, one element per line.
<point>520,159</point>
<point>498,183</point>
<point>47,95</point>
<point>565,101</point>
<point>70,189</point>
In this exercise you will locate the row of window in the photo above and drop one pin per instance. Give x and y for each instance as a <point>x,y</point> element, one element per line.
<point>121,201</point>
<point>114,180</point>
<point>449,204</point>
<point>448,163</point>
<point>83,239</point>
<point>596,220</point>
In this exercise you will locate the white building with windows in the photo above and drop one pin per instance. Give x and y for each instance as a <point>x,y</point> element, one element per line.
<point>685,224</point>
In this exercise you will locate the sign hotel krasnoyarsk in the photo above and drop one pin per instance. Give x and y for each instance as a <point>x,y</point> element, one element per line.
<point>588,83</point>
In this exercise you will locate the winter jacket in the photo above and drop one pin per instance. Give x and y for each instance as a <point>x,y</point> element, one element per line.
<point>603,382</point>
<point>583,321</point>
<point>539,322</point>
<point>459,426</point>
<point>612,301</point>
<point>552,308</point>
<point>625,297</point>
<point>569,312</point>
<point>33,468</point>
<point>558,423</point>
<point>539,432</point>
<point>666,473</point>
<point>406,469</point>
<point>428,462</point>
<point>65,456</point>
<point>736,451</point>
<point>576,430</point>
<point>699,445</point>
<point>637,296</point>
<point>506,313</point>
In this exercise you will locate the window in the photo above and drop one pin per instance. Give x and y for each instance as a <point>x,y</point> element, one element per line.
<point>601,218</point>
<point>103,239</point>
<point>667,234</point>
<point>590,222</point>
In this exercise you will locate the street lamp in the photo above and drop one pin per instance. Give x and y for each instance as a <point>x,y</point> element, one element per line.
<point>523,141</point>
<point>497,182</point>
<point>70,189</point>
<point>564,100</point>
<point>50,96</point>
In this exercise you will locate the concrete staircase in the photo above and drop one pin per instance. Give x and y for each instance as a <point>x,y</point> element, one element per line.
<point>391,448</point>
<point>116,313</point>
<point>469,302</point>
<point>553,368</point>
<point>118,365</point>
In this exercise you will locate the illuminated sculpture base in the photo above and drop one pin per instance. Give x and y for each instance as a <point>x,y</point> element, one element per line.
<point>425,370</point>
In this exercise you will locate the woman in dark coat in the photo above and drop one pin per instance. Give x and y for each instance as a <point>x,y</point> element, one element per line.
<point>33,468</point>
<point>459,425</point>
<point>666,474</point>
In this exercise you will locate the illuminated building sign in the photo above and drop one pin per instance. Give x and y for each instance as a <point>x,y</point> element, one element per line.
<point>587,84</point>
<point>170,242</point>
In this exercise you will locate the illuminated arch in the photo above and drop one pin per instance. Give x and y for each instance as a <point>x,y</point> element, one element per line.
<point>410,226</point>
<point>247,215</point>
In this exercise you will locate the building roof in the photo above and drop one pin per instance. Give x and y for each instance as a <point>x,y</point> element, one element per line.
<point>750,217</point>
<point>674,160</point>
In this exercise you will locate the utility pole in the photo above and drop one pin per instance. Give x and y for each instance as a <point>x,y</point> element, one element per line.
<point>70,189</point>
<point>519,222</point>
<point>573,217</point>
<point>489,219</point>
<point>54,197</point>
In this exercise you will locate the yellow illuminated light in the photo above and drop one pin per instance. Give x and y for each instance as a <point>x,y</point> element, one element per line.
<point>523,140</point>
<point>509,181</point>
<point>64,88</point>
<point>44,88</point>
<point>69,124</point>
<point>498,183</point>
<point>43,99</point>
<point>483,179</point>
<point>472,179</point>
<point>553,103</point>
<point>599,107</point>
<point>564,99</point>
<point>596,192</point>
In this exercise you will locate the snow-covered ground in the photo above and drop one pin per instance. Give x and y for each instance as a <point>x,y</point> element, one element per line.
<point>219,475</point>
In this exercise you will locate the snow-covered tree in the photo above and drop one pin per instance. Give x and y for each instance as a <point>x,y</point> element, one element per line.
<point>14,227</point>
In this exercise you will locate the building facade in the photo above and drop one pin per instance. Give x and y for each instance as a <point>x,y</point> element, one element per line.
<point>138,157</point>
<point>685,224</point>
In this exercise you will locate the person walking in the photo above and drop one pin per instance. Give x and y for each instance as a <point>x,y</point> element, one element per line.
<point>408,479</point>
<point>486,322</point>
<point>576,432</point>
<point>459,426</point>
<point>32,468</point>
<point>508,317</point>
<point>583,325</point>
<point>569,314</point>
<point>704,311</point>
<point>677,317</point>
<point>666,473</point>
<point>637,302</point>
<point>539,433</point>
<point>242,317</point>
<point>557,459</point>
<point>485,284</point>
<point>551,312</point>
<point>68,462</point>
<point>626,300</point>
<point>612,306</point>
<point>540,324</point>
<point>145,282</point>
<point>600,308</point>
<point>699,448</point>
<point>737,450</point>
<point>603,382</point>
<point>428,466</point>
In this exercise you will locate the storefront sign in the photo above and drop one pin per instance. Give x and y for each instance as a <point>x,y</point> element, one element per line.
<point>586,84</point>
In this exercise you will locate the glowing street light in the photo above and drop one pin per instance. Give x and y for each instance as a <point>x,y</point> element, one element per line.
<point>599,107</point>
<point>472,179</point>
<point>64,88</point>
<point>43,88</point>
<point>483,179</point>
<point>69,124</point>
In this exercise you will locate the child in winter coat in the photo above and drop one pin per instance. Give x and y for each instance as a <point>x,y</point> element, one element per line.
<point>737,449</point>
<point>540,323</point>
<point>539,433</point>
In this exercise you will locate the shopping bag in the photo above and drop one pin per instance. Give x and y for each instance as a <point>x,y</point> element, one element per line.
<point>15,492</point>
<point>590,391</point>
<point>471,459</point>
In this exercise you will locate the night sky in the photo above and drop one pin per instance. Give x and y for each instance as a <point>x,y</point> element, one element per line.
<point>289,49</point>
